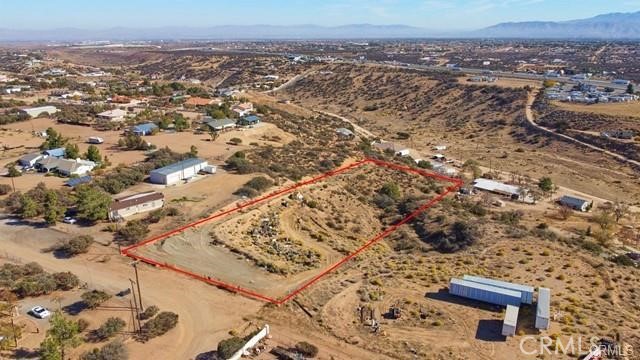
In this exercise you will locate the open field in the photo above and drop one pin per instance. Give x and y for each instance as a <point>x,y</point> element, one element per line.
<point>289,240</point>
<point>613,109</point>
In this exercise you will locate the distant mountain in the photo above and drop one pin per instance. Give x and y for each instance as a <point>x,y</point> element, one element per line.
<point>608,26</point>
<point>227,32</point>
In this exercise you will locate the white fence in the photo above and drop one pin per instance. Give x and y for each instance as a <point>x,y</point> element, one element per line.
<point>251,343</point>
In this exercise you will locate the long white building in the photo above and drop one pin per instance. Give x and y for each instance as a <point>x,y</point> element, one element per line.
<point>179,171</point>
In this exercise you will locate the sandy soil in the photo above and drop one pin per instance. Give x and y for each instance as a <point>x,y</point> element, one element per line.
<point>614,109</point>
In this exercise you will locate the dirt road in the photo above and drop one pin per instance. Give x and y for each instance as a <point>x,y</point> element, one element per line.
<point>206,313</point>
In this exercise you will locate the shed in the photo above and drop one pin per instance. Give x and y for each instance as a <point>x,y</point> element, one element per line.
<point>486,293</point>
<point>181,170</point>
<point>37,111</point>
<point>510,320</point>
<point>576,203</point>
<point>525,290</point>
<point>543,309</point>
<point>144,129</point>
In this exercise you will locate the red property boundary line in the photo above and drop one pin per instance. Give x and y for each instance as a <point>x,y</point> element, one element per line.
<point>456,184</point>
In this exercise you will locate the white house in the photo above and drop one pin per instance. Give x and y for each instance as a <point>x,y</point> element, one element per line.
<point>243,109</point>
<point>77,167</point>
<point>176,172</point>
<point>135,204</point>
<point>30,160</point>
<point>112,115</point>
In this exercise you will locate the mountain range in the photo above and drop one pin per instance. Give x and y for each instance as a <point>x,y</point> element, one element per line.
<point>607,26</point>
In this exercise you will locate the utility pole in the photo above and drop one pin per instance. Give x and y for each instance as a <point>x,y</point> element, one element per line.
<point>135,268</point>
<point>135,305</point>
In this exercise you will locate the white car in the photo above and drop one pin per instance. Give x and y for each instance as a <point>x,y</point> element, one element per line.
<point>40,312</point>
<point>69,220</point>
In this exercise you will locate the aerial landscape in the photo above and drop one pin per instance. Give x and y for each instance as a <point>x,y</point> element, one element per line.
<point>383,179</point>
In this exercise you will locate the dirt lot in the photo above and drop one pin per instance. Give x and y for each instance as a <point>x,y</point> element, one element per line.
<point>613,109</point>
<point>502,82</point>
<point>274,246</point>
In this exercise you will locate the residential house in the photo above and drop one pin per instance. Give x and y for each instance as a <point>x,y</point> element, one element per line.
<point>496,187</point>
<point>144,129</point>
<point>112,115</point>
<point>243,109</point>
<point>29,160</point>
<point>135,204</point>
<point>65,167</point>
<point>576,203</point>
<point>250,120</point>
<point>220,124</point>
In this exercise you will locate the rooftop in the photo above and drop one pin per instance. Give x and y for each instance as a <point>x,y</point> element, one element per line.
<point>170,169</point>
<point>499,283</point>
<point>544,303</point>
<point>135,199</point>
<point>495,186</point>
<point>485,287</point>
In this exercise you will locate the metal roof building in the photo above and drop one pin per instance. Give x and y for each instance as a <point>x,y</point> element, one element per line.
<point>510,320</point>
<point>486,293</point>
<point>181,170</point>
<point>575,203</point>
<point>525,290</point>
<point>144,129</point>
<point>543,310</point>
<point>497,187</point>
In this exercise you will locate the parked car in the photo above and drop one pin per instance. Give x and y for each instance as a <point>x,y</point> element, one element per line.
<point>40,312</point>
<point>69,220</point>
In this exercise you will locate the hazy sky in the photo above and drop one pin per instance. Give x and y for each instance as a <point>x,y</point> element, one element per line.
<point>432,14</point>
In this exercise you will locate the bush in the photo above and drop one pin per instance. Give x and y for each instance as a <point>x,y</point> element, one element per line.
<point>392,190</point>
<point>246,191</point>
<point>66,280</point>
<point>259,183</point>
<point>112,326</point>
<point>235,141</point>
<point>94,298</point>
<point>307,349</point>
<point>159,325</point>
<point>5,189</point>
<point>133,232</point>
<point>149,312</point>
<point>226,348</point>
<point>82,325</point>
<point>112,351</point>
<point>77,245</point>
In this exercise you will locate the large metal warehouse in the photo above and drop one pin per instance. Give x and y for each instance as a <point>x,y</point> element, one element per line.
<point>543,310</point>
<point>525,290</point>
<point>178,171</point>
<point>510,320</point>
<point>482,292</point>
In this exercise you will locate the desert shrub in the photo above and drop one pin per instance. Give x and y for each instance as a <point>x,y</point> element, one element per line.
<point>82,325</point>
<point>457,237</point>
<point>235,141</point>
<point>246,191</point>
<point>623,260</point>
<point>77,245</point>
<point>307,349</point>
<point>228,347</point>
<point>159,325</point>
<point>511,217</point>
<point>5,189</point>
<point>112,326</point>
<point>133,232</point>
<point>149,312</point>
<point>391,190</point>
<point>114,350</point>
<point>66,280</point>
<point>35,285</point>
<point>383,201</point>
<point>259,183</point>
<point>94,298</point>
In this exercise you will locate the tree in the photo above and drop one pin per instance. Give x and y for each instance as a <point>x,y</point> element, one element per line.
<point>214,134</point>
<point>28,207</point>
<point>93,203</point>
<point>54,140</point>
<point>53,209</point>
<point>392,190</point>
<point>13,171</point>
<point>193,151</point>
<point>630,89</point>
<point>72,151</point>
<point>620,210</point>
<point>94,298</point>
<point>93,154</point>
<point>546,184</point>
<point>62,334</point>
<point>180,123</point>
<point>65,280</point>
